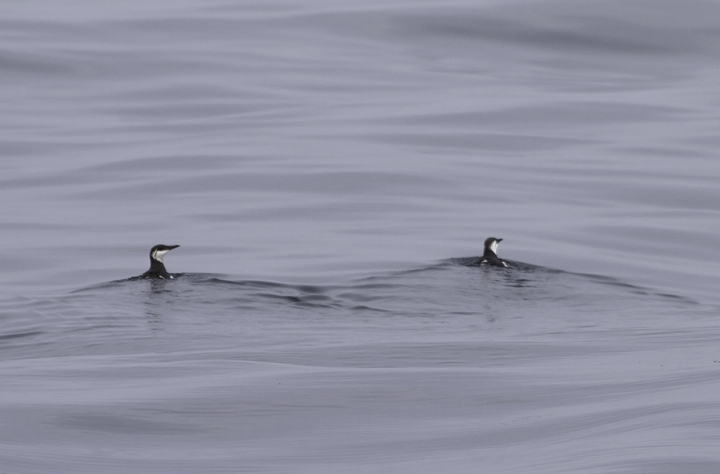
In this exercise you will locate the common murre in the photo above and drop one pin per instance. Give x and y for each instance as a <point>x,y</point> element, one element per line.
<point>490,254</point>
<point>157,267</point>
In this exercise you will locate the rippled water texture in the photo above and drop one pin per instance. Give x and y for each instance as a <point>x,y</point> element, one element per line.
<point>327,168</point>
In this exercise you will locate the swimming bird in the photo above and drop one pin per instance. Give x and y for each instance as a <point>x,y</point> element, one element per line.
<point>490,254</point>
<point>157,267</point>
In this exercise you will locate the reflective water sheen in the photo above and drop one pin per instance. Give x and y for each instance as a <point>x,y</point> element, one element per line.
<point>327,169</point>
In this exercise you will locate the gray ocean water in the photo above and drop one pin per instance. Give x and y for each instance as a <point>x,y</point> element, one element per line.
<point>325,167</point>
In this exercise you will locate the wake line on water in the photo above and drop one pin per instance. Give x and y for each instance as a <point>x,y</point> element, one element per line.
<point>516,274</point>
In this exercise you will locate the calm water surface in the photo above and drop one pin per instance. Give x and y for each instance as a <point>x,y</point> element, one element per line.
<point>325,166</point>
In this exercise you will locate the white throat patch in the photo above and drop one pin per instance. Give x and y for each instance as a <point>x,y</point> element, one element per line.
<point>159,254</point>
<point>493,246</point>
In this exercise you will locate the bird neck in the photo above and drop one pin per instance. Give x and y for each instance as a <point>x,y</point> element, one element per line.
<point>158,267</point>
